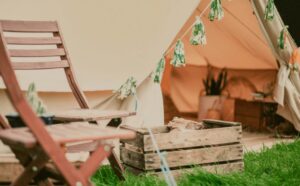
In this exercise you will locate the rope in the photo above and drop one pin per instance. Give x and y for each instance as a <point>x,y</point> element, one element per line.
<point>163,162</point>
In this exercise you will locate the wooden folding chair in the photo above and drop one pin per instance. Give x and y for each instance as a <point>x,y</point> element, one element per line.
<point>64,62</point>
<point>36,145</point>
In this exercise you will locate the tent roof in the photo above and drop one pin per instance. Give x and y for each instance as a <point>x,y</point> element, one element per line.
<point>108,41</point>
<point>235,42</point>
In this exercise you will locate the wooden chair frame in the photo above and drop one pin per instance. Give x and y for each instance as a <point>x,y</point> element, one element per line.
<point>3,123</point>
<point>57,39</point>
<point>65,63</point>
<point>61,51</point>
<point>35,166</point>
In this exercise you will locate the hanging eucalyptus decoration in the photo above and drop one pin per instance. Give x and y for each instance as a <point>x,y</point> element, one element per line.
<point>269,10</point>
<point>216,10</point>
<point>198,33</point>
<point>282,38</point>
<point>158,73</point>
<point>127,89</point>
<point>34,100</point>
<point>178,58</point>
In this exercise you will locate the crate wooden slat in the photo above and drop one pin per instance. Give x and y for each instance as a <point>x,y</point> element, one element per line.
<point>180,158</point>
<point>215,147</point>
<point>217,169</point>
<point>193,138</point>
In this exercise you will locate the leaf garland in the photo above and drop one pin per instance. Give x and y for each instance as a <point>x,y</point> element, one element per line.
<point>269,10</point>
<point>158,73</point>
<point>198,33</point>
<point>127,89</point>
<point>216,10</point>
<point>282,38</point>
<point>34,100</point>
<point>178,58</point>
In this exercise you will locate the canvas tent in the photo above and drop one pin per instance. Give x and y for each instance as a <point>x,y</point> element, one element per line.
<point>246,45</point>
<point>108,42</point>
<point>236,43</point>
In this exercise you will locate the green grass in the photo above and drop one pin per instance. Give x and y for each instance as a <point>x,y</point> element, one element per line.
<point>279,165</point>
<point>106,177</point>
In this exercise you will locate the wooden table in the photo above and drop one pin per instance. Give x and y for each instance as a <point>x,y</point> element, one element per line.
<point>255,114</point>
<point>92,115</point>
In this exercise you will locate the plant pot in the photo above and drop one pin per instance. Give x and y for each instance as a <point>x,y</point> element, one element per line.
<point>213,114</point>
<point>16,121</point>
<point>207,103</point>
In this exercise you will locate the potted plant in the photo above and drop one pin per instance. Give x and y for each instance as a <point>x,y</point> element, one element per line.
<point>210,98</point>
<point>37,105</point>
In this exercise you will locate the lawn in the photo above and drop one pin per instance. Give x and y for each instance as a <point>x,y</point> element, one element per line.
<point>279,165</point>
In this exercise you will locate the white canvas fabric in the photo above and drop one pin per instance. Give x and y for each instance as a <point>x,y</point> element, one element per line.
<point>287,92</point>
<point>108,41</point>
<point>150,111</point>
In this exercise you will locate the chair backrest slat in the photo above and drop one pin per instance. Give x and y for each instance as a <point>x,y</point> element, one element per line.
<point>37,53</point>
<point>40,65</point>
<point>29,26</point>
<point>38,45</point>
<point>33,40</point>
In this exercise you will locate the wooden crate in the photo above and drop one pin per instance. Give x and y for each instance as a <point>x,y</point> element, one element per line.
<point>217,149</point>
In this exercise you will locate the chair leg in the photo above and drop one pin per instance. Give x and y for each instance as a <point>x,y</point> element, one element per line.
<point>89,167</point>
<point>25,159</point>
<point>22,156</point>
<point>116,165</point>
<point>42,178</point>
<point>31,170</point>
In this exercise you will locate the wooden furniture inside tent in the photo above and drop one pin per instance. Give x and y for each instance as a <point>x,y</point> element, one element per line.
<point>36,145</point>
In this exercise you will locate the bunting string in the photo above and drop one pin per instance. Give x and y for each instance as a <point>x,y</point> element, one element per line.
<point>189,29</point>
